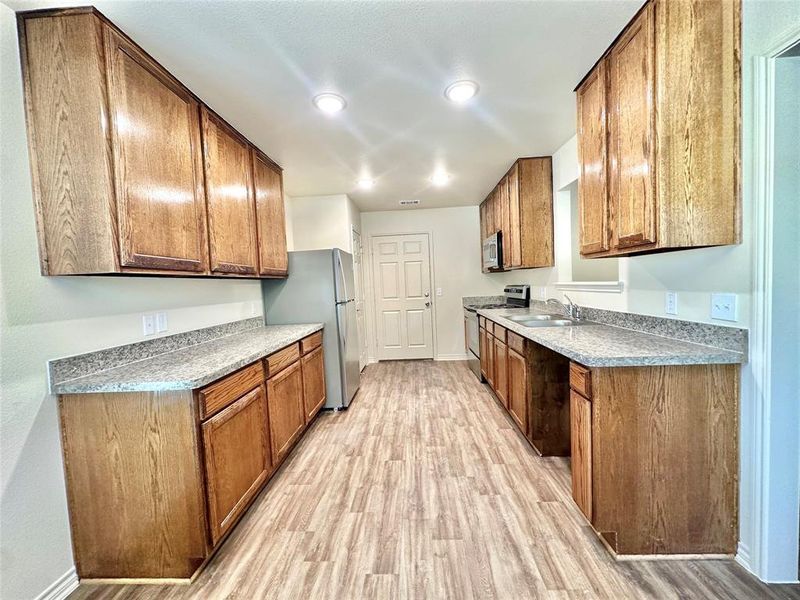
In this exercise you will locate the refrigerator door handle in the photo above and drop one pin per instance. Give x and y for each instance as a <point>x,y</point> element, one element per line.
<point>341,275</point>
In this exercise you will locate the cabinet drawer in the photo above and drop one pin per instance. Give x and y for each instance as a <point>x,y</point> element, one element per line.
<point>218,395</point>
<point>500,332</point>
<point>307,344</point>
<point>515,342</point>
<point>282,359</point>
<point>580,379</point>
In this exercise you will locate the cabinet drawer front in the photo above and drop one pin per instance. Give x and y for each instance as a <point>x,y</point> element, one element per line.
<point>237,459</point>
<point>307,344</point>
<point>482,322</point>
<point>218,395</point>
<point>500,333</point>
<point>515,342</point>
<point>282,359</point>
<point>580,379</point>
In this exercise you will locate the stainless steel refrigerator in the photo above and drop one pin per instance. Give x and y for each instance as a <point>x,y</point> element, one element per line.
<point>321,289</point>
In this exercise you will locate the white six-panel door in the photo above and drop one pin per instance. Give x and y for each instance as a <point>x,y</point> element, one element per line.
<point>402,289</point>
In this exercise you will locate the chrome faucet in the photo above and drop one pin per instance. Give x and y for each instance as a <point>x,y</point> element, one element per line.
<point>571,310</point>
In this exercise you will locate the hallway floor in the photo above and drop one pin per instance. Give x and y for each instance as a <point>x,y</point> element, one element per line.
<point>424,489</point>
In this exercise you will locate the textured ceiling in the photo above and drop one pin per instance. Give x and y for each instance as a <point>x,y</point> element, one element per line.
<point>259,64</point>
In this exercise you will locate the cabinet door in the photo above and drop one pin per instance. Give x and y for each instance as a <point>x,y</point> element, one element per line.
<point>489,360</point>
<point>229,189</point>
<point>237,459</point>
<point>482,339</point>
<point>581,443</point>
<point>271,222</point>
<point>505,220</point>
<point>518,389</point>
<point>512,243</point>
<point>501,371</point>
<point>592,156</point>
<point>630,132</point>
<point>313,383</point>
<point>286,412</point>
<point>155,138</point>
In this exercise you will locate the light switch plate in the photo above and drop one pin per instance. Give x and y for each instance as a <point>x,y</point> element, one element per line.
<point>438,291</point>
<point>148,324</point>
<point>542,293</point>
<point>723,307</point>
<point>161,322</point>
<point>671,303</point>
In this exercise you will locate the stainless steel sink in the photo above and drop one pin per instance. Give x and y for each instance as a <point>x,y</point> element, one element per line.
<point>523,318</point>
<point>554,322</point>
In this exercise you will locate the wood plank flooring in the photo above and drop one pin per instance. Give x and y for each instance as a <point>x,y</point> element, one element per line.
<point>424,489</point>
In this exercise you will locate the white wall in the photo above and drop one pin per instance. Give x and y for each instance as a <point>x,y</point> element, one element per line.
<point>323,222</point>
<point>43,318</point>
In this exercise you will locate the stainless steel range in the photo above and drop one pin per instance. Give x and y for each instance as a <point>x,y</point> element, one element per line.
<point>516,296</point>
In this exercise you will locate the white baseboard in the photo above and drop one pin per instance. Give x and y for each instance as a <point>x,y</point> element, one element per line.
<point>743,556</point>
<point>451,357</point>
<point>61,587</point>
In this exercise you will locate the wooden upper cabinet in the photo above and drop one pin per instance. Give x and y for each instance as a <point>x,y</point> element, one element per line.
<point>521,207</point>
<point>270,218</point>
<point>630,123</point>
<point>659,133</point>
<point>155,135</point>
<point>592,155</point>
<point>237,459</point>
<point>231,202</point>
<point>130,173</point>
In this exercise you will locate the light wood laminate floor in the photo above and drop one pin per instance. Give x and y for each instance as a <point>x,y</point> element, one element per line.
<point>424,489</point>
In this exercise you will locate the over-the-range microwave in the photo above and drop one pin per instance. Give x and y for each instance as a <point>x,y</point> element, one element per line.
<point>493,251</point>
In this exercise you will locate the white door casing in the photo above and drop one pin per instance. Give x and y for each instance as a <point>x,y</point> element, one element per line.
<point>359,281</point>
<point>401,276</point>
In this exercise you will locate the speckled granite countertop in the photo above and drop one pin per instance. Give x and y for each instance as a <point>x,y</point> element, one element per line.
<point>190,367</point>
<point>599,345</point>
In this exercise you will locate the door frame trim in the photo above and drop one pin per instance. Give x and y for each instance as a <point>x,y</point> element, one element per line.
<point>758,488</point>
<point>372,338</point>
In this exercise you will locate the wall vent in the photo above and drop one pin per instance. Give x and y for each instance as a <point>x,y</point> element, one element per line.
<point>408,202</point>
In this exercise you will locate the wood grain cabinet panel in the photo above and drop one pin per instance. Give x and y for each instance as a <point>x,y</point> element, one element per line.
<point>130,173</point>
<point>501,371</point>
<point>286,410</point>
<point>237,459</point>
<point>484,349</point>
<point>155,133</point>
<point>592,153</point>
<point>313,367</point>
<point>231,204</point>
<point>631,144</point>
<point>521,208</point>
<point>271,221</point>
<point>489,373</point>
<point>581,442</point>
<point>216,396</point>
<point>659,133</point>
<point>518,388</point>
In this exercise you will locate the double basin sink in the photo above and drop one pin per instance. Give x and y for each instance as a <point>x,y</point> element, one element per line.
<point>542,320</point>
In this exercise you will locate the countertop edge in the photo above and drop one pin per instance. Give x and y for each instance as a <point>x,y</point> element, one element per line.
<point>75,387</point>
<point>713,356</point>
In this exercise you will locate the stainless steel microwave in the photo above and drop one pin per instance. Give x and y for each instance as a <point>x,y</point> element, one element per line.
<point>493,251</point>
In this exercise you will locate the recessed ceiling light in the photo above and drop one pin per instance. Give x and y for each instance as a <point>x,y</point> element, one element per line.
<point>366,183</point>
<point>329,103</point>
<point>440,178</point>
<point>461,91</point>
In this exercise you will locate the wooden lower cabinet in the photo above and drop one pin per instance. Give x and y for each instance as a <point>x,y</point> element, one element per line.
<point>286,412</point>
<point>313,367</point>
<point>655,458</point>
<point>581,417</point>
<point>501,371</point>
<point>156,480</point>
<point>237,459</point>
<point>489,373</point>
<point>484,349</point>
<point>518,389</point>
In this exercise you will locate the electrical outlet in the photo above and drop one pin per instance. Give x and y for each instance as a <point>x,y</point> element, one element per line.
<point>543,293</point>
<point>161,322</point>
<point>148,324</point>
<point>723,307</point>
<point>671,303</point>
<point>438,291</point>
